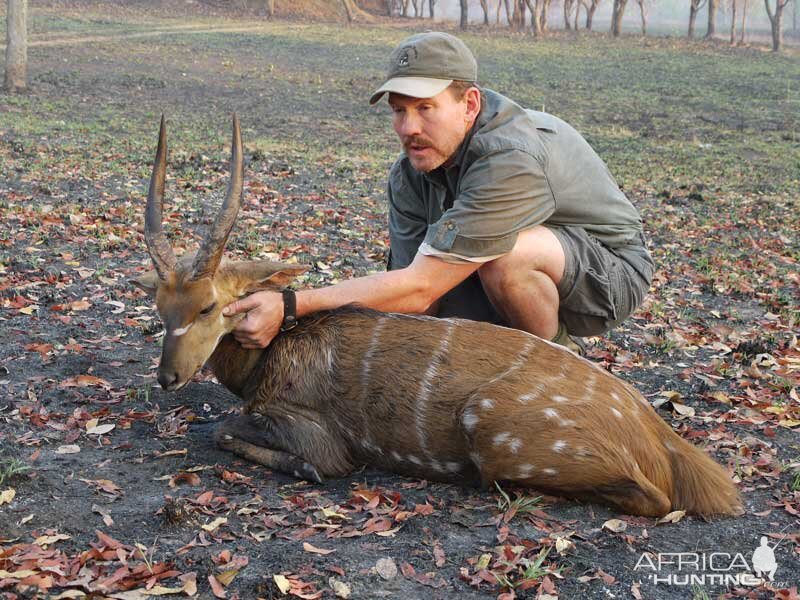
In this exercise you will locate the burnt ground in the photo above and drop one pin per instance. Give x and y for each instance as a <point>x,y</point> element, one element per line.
<point>110,485</point>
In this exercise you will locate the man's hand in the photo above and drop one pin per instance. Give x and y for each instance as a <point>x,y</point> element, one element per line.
<point>262,322</point>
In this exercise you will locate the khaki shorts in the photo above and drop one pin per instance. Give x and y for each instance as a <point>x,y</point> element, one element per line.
<point>601,286</point>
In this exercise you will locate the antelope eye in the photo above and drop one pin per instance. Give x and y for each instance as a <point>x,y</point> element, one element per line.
<point>208,309</point>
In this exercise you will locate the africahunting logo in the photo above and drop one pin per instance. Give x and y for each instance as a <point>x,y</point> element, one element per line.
<point>404,58</point>
<point>710,568</point>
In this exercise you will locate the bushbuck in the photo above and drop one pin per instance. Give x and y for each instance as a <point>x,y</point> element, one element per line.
<point>444,399</point>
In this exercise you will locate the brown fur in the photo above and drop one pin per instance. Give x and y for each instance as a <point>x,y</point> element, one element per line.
<point>308,390</point>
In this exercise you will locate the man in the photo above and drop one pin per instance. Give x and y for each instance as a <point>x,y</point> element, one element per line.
<point>496,213</point>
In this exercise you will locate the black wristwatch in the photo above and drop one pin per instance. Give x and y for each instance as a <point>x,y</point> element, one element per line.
<point>289,310</point>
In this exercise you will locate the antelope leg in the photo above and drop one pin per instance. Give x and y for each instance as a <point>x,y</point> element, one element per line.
<point>242,436</point>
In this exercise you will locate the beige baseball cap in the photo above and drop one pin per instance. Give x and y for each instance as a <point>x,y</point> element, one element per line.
<point>424,64</point>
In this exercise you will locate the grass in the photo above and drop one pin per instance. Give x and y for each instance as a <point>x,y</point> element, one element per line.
<point>10,468</point>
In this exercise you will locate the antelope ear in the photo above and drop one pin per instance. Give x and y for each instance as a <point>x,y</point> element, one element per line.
<point>255,275</point>
<point>147,282</point>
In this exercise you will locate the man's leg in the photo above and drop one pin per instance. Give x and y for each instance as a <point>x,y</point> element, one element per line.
<point>522,285</point>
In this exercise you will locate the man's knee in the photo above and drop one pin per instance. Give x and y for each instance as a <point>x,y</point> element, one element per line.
<point>537,251</point>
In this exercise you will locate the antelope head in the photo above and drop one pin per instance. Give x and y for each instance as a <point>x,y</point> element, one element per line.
<point>191,292</point>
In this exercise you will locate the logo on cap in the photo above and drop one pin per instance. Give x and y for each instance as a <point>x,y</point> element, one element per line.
<point>404,58</point>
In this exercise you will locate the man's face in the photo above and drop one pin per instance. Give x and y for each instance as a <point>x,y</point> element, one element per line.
<point>432,129</point>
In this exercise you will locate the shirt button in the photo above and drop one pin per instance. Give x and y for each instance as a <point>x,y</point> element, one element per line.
<point>451,225</point>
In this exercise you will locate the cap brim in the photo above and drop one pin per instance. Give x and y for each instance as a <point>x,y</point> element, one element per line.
<point>416,87</point>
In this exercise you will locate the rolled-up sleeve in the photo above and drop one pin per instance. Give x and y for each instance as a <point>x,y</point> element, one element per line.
<point>501,194</point>
<point>407,223</point>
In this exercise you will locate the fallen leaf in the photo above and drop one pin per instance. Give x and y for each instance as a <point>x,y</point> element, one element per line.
<point>46,540</point>
<point>225,577</point>
<point>6,496</point>
<point>673,517</point>
<point>682,409</point>
<point>340,588</point>
<point>386,568</point>
<point>68,449</point>
<point>100,429</point>
<point>284,585</point>
<point>214,524</point>
<point>309,548</point>
<point>615,525</point>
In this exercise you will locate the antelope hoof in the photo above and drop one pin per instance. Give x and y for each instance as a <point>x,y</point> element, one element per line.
<point>308,471</point>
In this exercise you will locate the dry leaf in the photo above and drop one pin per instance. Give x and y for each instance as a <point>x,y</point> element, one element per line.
<point>615,525</point>
<point>68,449</point>
<point>225,577</point>
<point>6,496</point>
<point>341,589</point>
<point>214,524</point>
<point>46,540</point>
<point>386,568</point>
<point>683,410</point>
<point>284,585</point>
<point>100,429</point>
<point>673,517</point>
<point>309,548</point>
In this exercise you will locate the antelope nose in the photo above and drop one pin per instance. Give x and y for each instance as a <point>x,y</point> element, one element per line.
<point>167,379</point>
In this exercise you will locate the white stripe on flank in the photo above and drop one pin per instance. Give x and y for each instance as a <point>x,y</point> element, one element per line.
<point>420,412</point>
<point>181,330</point>
<point>519,360</point>
<point>365,375</point>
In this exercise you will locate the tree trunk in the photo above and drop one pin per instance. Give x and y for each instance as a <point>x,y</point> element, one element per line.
<point>16,77</point>
<point>348,10</point>
<point>617,12</point>
<point>590,13</point>
<point>577,14</point>
<point>643,14</point>
<point>485,8</point>
<point>712,19</point>
<point>567,14</point>
<point>776,22</point>
<point>694,8</point>
<point>431,4</point>
<point>464,14</point>
<point>544,12</point>
<point>733,22</point>
<point>744,23</point>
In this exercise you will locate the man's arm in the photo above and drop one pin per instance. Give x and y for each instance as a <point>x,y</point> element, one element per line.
<point>409,290</point>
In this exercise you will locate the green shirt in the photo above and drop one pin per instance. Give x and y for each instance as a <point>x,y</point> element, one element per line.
<point>516,169</point>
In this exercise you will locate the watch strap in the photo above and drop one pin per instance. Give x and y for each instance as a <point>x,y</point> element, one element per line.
<point>289,310</point>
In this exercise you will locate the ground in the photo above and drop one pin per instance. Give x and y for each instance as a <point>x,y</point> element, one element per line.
<point>109,485</point>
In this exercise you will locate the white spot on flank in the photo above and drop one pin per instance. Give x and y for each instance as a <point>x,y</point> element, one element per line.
<point>559,445</point>
<point>615,396</point>
<point>550,413</point>
<point>469,420</point>
<point>525,470</point>
<point>397,456</point>
<point>181,330</point>
<point>437,466</point>
<point>669,446</point>
<point>501,438</point>
<point>550,471</point>
<point>514,444</point>
<point>453,467</point>
<point>616,413</point>
<point>487,403</point>
<point>559,399</point>
<point>566,423</point>
<point>414,459</point>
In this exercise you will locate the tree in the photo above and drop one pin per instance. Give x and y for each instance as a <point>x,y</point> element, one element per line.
<point>16,77</point>
<point>591,7</point>
<point>733,22</point>
<point>568,6</point>
<point>431,4</point>
<point>694,8</point>
<point>776,22</point>
<point>643,14</point>
<point>744,23</point>
<point>712,18</point>
<point>617,12</point>
<point>485,7</point>
<point>464,14</point>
